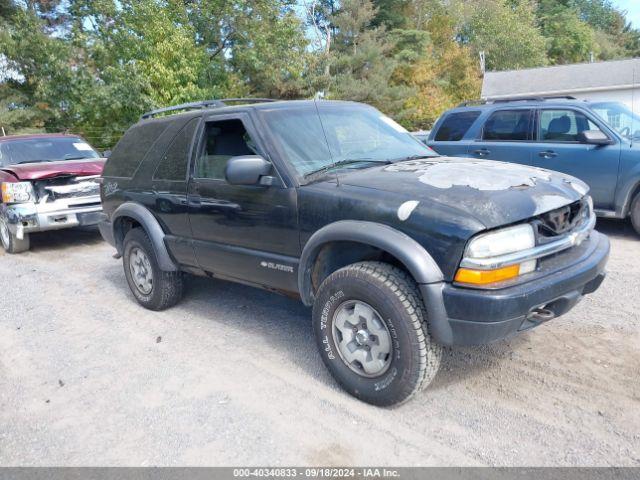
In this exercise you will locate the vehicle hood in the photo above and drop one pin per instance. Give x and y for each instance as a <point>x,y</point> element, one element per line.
<point>39,171</point>
<point>494,193</point>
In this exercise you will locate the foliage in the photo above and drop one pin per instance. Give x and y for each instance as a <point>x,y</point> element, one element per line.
<point>507,32</point>
<point>442,73</point>
<point>33,62</point>
<point>93,66</point>
<point>361,63</point>
<point>569,38</point>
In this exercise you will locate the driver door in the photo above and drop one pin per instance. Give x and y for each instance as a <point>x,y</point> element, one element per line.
<point>558,148</point>
<point>245,233</point>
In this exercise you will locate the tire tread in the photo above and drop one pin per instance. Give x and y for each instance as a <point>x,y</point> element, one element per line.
<point>427,353</point>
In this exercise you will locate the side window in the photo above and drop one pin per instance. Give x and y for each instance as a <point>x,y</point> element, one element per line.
<point>508,125</point>
<point>563,125</point>
<point>132,148</point>
<point>222,140</point>
<point>455,126</point>
<point>173,165</point>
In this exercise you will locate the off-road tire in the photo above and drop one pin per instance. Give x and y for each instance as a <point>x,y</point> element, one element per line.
<point>415,358</point>
<point>10,242</point>
<point>167,287</point>
<point>635,213</point>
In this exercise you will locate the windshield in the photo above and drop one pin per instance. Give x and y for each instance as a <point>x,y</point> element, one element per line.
<point>44,149</point>
<point>620,118</point>
<point>347,136</point>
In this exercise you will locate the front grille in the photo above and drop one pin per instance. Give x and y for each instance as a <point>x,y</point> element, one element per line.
<point>560,221</point>
<point>63,188</point>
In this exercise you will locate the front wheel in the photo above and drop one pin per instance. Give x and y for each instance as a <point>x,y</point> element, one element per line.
<point>635,213</point>
<point>370,326</point>
<point>10,241</point>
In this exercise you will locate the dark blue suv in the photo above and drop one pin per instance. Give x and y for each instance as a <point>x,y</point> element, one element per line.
<point>593,141</point>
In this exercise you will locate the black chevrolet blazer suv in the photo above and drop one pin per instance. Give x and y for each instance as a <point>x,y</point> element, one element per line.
<point>398,250</point>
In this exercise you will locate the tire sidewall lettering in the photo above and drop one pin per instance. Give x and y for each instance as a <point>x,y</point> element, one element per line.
<point>325,321</point>
<point>405,372</point>
<point>394,338</point>
<point>328,308</point>
<point>328,344</point>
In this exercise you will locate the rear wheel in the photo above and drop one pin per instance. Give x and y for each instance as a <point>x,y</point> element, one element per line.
<point>10,241</point>
<point>370,327</point>
<point>153,288</point>
<point>635,213</point>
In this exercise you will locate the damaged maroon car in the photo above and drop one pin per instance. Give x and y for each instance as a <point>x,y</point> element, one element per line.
<point>48,182</point>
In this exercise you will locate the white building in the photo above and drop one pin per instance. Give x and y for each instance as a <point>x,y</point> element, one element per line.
<point>617,81</point>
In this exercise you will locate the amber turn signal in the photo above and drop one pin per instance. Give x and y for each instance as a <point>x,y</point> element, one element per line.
<point>485,277</point>
<point>6,195</point>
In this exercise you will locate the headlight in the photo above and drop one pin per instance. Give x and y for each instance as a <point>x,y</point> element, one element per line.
<point>18,192</point>
<point>501,242</point>
<point>492,245</point>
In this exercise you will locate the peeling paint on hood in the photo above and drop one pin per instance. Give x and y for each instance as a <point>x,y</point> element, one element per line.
<point>494,193</point>
<point>405,210</point>
<point>481,175</point>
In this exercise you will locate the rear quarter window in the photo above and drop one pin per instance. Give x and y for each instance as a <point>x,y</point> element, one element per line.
<point>455,126</point>
<point>508,125</point>
<point>132,148</point>
<point>174,163</point>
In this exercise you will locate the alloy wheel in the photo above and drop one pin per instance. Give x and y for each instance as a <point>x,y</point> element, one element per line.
<point>141,271</point>
<point>362,337</point>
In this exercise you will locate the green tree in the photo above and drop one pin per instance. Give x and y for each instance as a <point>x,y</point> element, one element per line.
<point>576,28</point>
<point>270,51</point>
<point>362,63</point>
<point>506,31</point>
<point>96,66</point>
<point>31,59</point>
<point>569,38</point>
<point>441,72</point>
<point>393,14</point>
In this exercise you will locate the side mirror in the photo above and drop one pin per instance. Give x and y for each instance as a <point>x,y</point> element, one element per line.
<point>106,154</point>
<point>248,170</point>
<point>594,137</point>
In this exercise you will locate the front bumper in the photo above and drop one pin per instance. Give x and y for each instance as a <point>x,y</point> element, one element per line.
<point>40,217</point>
<point>466,316</point>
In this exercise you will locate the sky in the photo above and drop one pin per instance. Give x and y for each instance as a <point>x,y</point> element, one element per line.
<point>633,10</point>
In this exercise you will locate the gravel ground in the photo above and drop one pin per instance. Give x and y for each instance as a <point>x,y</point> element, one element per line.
<point>231,377</point>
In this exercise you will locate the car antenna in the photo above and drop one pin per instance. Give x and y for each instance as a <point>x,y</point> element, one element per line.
<point>315,104</point>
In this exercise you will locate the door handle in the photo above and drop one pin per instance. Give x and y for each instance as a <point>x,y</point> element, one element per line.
<point>483,152</point>
<point>548,154</point>
<point>222,205</point>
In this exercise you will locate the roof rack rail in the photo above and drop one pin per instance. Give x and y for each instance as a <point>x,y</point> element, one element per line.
<point>216,103</point>
<point>487,101</point>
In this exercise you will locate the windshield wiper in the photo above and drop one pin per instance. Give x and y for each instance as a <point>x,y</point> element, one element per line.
<point>76,158</point>
<point>411,157</point>
<point>341,163</point>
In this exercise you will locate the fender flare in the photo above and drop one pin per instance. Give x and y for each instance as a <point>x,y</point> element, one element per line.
<point>151,226</point>
<point>410,253</point>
